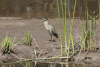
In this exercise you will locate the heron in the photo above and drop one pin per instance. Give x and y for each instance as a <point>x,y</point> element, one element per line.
<point>50,28</point>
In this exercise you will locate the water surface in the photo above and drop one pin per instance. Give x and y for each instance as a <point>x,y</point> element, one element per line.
<point>45,8</point>
<point>41,64</point>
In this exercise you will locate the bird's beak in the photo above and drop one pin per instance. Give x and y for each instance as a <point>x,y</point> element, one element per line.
<point>40,18</point>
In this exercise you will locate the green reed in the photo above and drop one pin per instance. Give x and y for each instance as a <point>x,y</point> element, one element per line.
<point>95,42</point>
<point>71,36</point>
<point>86,14</point>
<point>90,36</point>
<point>60,29</point>
<point>83,37</point>
<point>72,26</point>
<point>95,14</point>
<point>64,22</point>
<point>99,10</point>
<point>28,39</point>
<point>65,26</point>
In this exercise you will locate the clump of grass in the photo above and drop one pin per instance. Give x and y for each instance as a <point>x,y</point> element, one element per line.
<point>7,44</point>
<point>28,39</point>
<point>86,39</point>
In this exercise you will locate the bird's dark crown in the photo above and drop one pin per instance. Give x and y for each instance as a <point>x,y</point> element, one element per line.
<point>45,19</point>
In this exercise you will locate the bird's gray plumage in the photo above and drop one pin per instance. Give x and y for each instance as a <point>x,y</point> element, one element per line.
<point>50,29</point>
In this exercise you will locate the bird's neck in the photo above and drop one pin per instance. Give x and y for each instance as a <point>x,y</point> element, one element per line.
<point>46,23</point>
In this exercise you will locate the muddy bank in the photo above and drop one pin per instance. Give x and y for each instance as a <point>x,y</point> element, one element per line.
<point>40,43</point>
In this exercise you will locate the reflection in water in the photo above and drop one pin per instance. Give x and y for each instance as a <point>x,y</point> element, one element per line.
<point>52,64</point>
<point>28,10</point>
<point>17,10</point>
<point>44,8</point>
<point>39,64</point>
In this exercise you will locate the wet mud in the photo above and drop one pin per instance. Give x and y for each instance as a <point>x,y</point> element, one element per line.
<point>41,46</point>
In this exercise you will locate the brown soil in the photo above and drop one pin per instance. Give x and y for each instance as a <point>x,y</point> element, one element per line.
<point>18,27</point>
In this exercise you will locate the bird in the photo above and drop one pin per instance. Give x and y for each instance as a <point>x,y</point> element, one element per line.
<point>50,29</point>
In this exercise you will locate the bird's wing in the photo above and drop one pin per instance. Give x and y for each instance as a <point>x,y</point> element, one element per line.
<point>52,29</point>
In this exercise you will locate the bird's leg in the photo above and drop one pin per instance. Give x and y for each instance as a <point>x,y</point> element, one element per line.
<point>51,38</point>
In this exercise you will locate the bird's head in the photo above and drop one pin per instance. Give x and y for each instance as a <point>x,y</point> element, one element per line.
<point>45,19</point>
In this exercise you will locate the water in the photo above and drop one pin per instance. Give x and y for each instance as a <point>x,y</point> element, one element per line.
<point>41,64</point>
<point>44,8</point>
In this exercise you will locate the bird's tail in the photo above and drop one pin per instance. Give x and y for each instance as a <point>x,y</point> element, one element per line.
<point>56,35</point>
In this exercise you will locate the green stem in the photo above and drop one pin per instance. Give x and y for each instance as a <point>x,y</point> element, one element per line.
<point>60,28</point>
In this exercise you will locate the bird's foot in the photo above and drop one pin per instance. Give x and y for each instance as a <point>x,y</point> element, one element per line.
<point>52,40</point>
